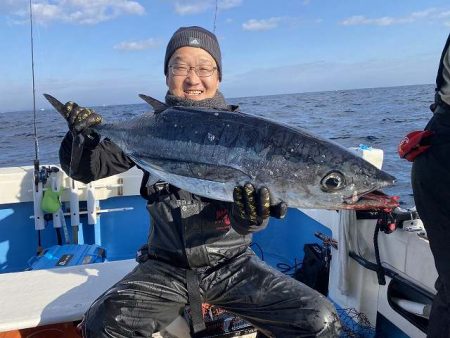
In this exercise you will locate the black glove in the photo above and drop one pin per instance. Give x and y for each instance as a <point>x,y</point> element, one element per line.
<point>254,206</point>
<point>80,118</point>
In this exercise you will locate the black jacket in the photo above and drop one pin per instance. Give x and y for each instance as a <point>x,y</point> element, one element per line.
<point>187,230</point>
<point>430,178</point>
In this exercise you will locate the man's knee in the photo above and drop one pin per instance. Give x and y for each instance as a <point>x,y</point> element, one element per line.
<point>93,325</point>
<point>323,319</point>
<point>103,321</point>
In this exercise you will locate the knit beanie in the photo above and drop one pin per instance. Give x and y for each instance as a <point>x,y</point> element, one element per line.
<point>194,36</point>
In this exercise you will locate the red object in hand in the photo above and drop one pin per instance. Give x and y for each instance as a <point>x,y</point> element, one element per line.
<point>414,144</point>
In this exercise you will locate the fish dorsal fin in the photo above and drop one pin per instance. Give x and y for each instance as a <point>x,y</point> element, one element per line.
<point>59,107</point>
<point>158,106</point>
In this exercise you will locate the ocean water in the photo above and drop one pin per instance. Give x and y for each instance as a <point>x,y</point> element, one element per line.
<point>377,117</point>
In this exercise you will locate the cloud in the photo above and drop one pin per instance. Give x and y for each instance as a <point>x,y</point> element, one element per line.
<point>12,5</point>
<point>15,11</point>
<point>444,15</point>
<point>192,7</point>
<point>427,14</point>
<point>228,4</point>
<point>362,20</point>
<point>137,45</point>
<point>88,12</point>
<point>261,25</point>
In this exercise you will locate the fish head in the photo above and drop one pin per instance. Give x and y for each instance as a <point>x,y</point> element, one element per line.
<point>349,182</point>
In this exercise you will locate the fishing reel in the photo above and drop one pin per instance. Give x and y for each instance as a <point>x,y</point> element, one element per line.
<point>406,219</point>
<point>391,220</point>
<point>42,174</point>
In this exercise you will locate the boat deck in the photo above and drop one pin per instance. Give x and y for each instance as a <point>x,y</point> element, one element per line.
<point>57,298</point>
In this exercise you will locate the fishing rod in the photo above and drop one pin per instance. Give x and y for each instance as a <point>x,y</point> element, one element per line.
<point>40,175</point>
<point>39,223</point>
<point>36,142</point>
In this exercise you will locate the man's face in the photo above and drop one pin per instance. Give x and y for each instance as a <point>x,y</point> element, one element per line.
<point>191,86</point>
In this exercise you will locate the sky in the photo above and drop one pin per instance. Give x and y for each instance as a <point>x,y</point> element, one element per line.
<point>105,52</point>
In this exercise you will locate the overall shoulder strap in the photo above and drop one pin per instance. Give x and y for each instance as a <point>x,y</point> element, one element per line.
<point>152,188</point>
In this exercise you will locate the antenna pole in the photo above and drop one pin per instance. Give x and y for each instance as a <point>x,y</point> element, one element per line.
<point>215,18</point>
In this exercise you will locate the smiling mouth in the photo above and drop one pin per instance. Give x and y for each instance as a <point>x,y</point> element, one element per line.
<point>193,92</point>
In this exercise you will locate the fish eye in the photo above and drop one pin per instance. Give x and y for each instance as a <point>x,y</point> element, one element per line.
<point>333,181</point>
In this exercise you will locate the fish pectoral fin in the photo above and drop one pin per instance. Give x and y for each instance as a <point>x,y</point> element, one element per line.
<point>197,170</point>
<point>157,105</point>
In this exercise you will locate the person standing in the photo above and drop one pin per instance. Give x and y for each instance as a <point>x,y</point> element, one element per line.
<point>431,188</point>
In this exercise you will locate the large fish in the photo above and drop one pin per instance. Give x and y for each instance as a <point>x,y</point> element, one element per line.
<point>208,152</point>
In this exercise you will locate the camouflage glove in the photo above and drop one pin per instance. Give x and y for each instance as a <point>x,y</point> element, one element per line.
<point>254,206</point>
<point>80,118</point>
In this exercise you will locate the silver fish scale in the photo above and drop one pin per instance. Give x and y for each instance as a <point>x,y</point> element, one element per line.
<point>208,152</point>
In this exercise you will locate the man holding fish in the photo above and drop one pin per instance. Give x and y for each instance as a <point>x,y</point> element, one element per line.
<point>198,249</point>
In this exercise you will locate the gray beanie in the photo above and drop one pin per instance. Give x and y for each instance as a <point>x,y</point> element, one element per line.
<point>194,36</point>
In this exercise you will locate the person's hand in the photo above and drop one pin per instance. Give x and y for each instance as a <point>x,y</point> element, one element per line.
<point>254,206</point>
<point>80,118</point>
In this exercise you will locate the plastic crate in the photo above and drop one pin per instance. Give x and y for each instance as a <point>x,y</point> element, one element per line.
<point>59,256</point>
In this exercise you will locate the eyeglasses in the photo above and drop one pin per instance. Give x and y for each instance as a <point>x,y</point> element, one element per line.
<point>201,71</point>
